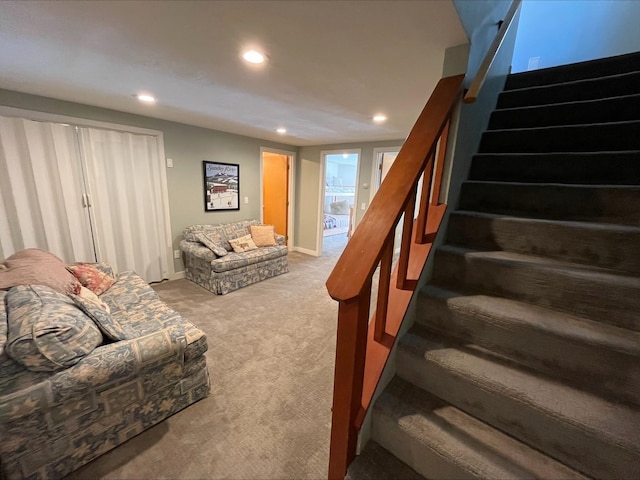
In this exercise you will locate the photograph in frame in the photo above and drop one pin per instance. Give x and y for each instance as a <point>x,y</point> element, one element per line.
<point>221,186</point>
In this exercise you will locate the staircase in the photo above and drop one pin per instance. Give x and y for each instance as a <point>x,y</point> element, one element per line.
<point>525,359</point>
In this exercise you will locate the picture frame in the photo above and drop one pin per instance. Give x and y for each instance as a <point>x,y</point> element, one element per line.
<point>221,183</point>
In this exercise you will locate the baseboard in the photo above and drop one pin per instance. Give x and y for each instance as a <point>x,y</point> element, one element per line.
<point>306,251</point>
<point>177,275</point>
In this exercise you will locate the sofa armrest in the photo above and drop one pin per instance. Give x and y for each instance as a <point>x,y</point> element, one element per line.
<point>281,239</point>
<point>107,365</point>
<point>196,249</point>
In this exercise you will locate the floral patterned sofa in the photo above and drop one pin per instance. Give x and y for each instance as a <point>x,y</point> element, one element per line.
<point>64,402</point>
<point>220,269</point>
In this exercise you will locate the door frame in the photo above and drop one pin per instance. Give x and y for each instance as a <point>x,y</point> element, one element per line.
<point>377,162</point>
<point>323,172</point>
<point>291,190</point>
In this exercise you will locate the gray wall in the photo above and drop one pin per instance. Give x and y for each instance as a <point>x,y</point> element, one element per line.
<point>307,223</point>
<point>561,32</point>
<point>474,117</point>
<point>480,20</point>
<point>188,146</point>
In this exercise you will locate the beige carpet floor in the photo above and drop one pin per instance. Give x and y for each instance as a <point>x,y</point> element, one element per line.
<point>270,359</point>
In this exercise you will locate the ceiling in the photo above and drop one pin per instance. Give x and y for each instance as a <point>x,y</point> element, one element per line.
<point>331,65</point>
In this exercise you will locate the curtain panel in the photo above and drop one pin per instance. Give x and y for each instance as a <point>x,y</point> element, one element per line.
<point>84,194</point>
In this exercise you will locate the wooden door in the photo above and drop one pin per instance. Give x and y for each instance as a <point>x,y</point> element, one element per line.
<point>275,191</point>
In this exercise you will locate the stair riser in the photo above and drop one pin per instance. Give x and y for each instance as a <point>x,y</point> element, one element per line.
<point>591,296</point>
<point>589,138</point>
<point>568,73</point>
<point>590,169</point>
<point>390,435</point>
<point>558,439</point>
<point>592,367</point>
<point>603,111</point>
<point>609,248</point>
<point>628,84</point>
<point>603,205</point>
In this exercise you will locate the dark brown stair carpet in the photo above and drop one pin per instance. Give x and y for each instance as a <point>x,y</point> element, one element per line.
<point>524,360</point>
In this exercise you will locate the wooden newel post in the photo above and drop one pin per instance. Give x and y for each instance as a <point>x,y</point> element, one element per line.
<point>351,344</point>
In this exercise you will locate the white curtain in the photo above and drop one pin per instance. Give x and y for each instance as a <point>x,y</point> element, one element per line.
<point>41,191</point>
<point>125,184</point>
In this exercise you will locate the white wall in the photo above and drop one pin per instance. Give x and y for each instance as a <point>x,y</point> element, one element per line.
<point>568,31</point>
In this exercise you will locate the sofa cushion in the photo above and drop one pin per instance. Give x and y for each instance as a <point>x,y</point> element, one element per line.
<point>92,277</point>
<point>242,244</point>
<point>210,240</point>
<point>237,260</point>
<point>221,232</point>
<point>107,324</point>
<point>37,267</point>
<point>263,235</point>
<point>47,331</point>
<point>8,367</point>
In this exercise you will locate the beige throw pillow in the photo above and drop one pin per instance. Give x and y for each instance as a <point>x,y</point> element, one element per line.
<point>263,235</point>
<point>243,244</point>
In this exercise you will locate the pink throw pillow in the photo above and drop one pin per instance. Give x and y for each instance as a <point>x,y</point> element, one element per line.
<point>33,266</point>
<point>92,277</point>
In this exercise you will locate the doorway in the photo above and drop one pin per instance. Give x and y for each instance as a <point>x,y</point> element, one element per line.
<point>383,158</point>
<point>338,197</point>
<point>276,167</point>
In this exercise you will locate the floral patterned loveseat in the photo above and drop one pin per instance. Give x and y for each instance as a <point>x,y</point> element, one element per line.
<point>53,422</point>
<point>220,269</point>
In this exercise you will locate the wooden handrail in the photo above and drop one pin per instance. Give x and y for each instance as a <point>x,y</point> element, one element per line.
<point>362,348</point>
<point>360,258</point>
<point>481,75</point>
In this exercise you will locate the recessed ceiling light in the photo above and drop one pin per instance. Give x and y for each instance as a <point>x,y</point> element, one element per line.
<point>253,56</point>
<point>146,98</point>
<point>379,117</point>
<point>281,130</point>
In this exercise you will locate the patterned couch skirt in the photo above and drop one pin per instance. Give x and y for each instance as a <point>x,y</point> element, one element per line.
<point>52,423</point>
<point>199,270</point>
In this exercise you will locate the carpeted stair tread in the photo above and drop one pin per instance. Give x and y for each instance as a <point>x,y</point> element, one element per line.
<point>611,136</point>
<point>530,325</point>
<point>598,203</point>
<point>377,463</point>
<point>596,293</point>
<point>580,429</point>
<point>596,168</point>
<point>601,244</point>
<point>597,356</point>
<point>442,442</point>
<point>576,71</point>
<point>600,110</point>
<point>574,91</point>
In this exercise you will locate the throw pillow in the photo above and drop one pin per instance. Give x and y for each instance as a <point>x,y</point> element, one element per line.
<point>37,267</point>
<point>91,276</point>
<point>209,241</point>
<point>339,208</point>
<point>46,331</point>
<point>108,325</point>
<point>92,297</point>
<point>243,244</point>
<point>263,235</point>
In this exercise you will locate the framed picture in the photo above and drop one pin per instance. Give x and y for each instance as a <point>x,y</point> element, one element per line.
<point>221,186</point>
